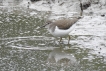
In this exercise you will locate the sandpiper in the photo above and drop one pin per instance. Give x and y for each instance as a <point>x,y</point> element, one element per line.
<point>61,28</point>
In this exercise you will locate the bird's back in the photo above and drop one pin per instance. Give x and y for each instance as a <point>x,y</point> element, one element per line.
<point>65,23</point>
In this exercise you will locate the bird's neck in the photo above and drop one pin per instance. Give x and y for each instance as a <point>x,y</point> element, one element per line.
<point>52,27</point>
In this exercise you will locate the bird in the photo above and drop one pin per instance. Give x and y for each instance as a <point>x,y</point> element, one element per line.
<point>62,27</point>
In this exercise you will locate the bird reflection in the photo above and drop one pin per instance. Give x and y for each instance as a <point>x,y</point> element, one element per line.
<point>59,57</point>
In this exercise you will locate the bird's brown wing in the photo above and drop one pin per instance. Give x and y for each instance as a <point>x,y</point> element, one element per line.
<point>65,23</point>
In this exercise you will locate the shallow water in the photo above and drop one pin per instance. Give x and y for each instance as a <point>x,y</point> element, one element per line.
<point>25,47</point>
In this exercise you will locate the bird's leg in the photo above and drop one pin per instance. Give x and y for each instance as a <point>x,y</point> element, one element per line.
<point>69,39</point>
<point>60,39</point>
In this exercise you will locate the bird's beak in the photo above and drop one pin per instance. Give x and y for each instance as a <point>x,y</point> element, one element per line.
<point>43,26</point>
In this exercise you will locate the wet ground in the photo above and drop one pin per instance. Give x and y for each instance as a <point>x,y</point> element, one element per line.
<point>25,47</point>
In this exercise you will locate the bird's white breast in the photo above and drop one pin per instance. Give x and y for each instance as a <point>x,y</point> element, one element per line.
<point>61,32</point>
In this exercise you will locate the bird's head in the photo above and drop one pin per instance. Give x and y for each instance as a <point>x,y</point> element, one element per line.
<point>47,24</point>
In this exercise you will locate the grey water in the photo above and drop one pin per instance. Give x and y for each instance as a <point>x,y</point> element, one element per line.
<point>25,47</point>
